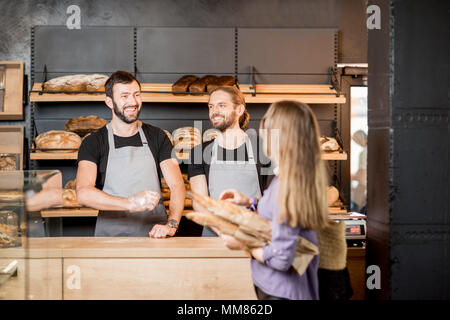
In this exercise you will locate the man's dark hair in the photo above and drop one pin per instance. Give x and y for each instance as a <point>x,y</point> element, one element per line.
<point>118,77</point>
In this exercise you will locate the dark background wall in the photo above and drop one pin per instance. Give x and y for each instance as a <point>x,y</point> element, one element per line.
<point>17,18</point>
<point>409,150</point>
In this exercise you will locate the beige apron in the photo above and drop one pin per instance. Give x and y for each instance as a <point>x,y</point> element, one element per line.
<point>239,175</point>
<point>129,171</point>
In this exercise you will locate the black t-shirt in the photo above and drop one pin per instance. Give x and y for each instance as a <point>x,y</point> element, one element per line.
<point>200,160</point>
<point>95,148</point>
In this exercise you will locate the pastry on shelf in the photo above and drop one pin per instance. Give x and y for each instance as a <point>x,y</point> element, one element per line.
<point>223,81</point>
<point>84,125</point>
<point>69,198</point>
<point>71,184</point>
<point>329,144</point>
<point>8,162</point>
<point>56,140</point>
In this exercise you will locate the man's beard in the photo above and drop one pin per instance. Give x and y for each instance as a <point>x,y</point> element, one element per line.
<point>225,123</point>
<point>122,116</point>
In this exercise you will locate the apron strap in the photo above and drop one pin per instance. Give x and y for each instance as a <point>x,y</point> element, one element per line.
<point>248,145</point>
<point>111,136</point>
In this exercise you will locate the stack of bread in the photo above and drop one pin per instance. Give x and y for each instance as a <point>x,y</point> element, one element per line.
<point>208,83</point>
<point>329,144</point>
<point>165,193</point>
<point>185,139</point>
<point>246,226</point>
<point>77,82</point>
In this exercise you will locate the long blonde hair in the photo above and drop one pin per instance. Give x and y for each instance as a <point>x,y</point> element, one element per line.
<point>302,173</point>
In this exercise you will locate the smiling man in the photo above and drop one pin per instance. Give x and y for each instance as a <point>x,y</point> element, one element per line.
<point>120,165</point>
<point>232,160</point>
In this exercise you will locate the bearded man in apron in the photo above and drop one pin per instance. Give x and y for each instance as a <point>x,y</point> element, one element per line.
<point>119,169</point>
<point>231,160</point>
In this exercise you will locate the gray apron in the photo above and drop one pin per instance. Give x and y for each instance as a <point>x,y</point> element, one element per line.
<point>229,174</point>
<point>129,171</point>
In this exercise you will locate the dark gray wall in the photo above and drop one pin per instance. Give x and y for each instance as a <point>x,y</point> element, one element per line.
<point>17,18</point>
<point>409,153</point>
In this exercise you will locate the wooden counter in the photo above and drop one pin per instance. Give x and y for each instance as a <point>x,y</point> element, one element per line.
<point>129,268</point>
<point>138,268</point>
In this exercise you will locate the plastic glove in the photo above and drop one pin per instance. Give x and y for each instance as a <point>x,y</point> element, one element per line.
<point>144,200</point>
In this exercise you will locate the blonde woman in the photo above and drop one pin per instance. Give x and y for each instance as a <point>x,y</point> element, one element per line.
<point>295,201</point>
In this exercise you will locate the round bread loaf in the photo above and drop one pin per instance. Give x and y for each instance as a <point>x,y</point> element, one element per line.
<point>56,84</point>
<point>56,139</point>
<point>84,125</point>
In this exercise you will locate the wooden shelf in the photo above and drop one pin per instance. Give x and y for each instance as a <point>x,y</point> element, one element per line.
<point>334,155</point>
<point>162,92</point>
<point>77,212</point>
<point>13,91</point>
<point>69,212</point>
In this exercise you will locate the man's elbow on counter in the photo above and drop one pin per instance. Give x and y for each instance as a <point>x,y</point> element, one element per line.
<point>82,196</point>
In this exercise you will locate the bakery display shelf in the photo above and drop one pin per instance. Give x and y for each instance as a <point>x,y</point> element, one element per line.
<point>69,212</point>
<point>77,212</point>
<point>11,90</point>
<point>162,92</point>
<point>55,155</point>
<point>11,145</point>
<point>334,155</point>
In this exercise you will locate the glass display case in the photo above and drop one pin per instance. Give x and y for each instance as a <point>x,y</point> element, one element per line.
<point>22,195</point>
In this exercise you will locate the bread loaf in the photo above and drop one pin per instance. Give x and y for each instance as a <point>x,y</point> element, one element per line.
<point>223,81</point>
<point>329,144</point>
<point>69,198</point>
<point>77,82</point>
<point>56,139</point>
<point>71,184</point>
<point>96,82</point>
<point>201,84</point>
<point>182,84</point>
<point>332,195</point>
<point>8,163</point>
<point>84,125</point>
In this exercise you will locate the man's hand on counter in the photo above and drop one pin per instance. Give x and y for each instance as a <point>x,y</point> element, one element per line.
<point>162,231</point>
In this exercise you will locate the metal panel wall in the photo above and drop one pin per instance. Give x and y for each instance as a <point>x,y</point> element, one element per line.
<point>166,54</point>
